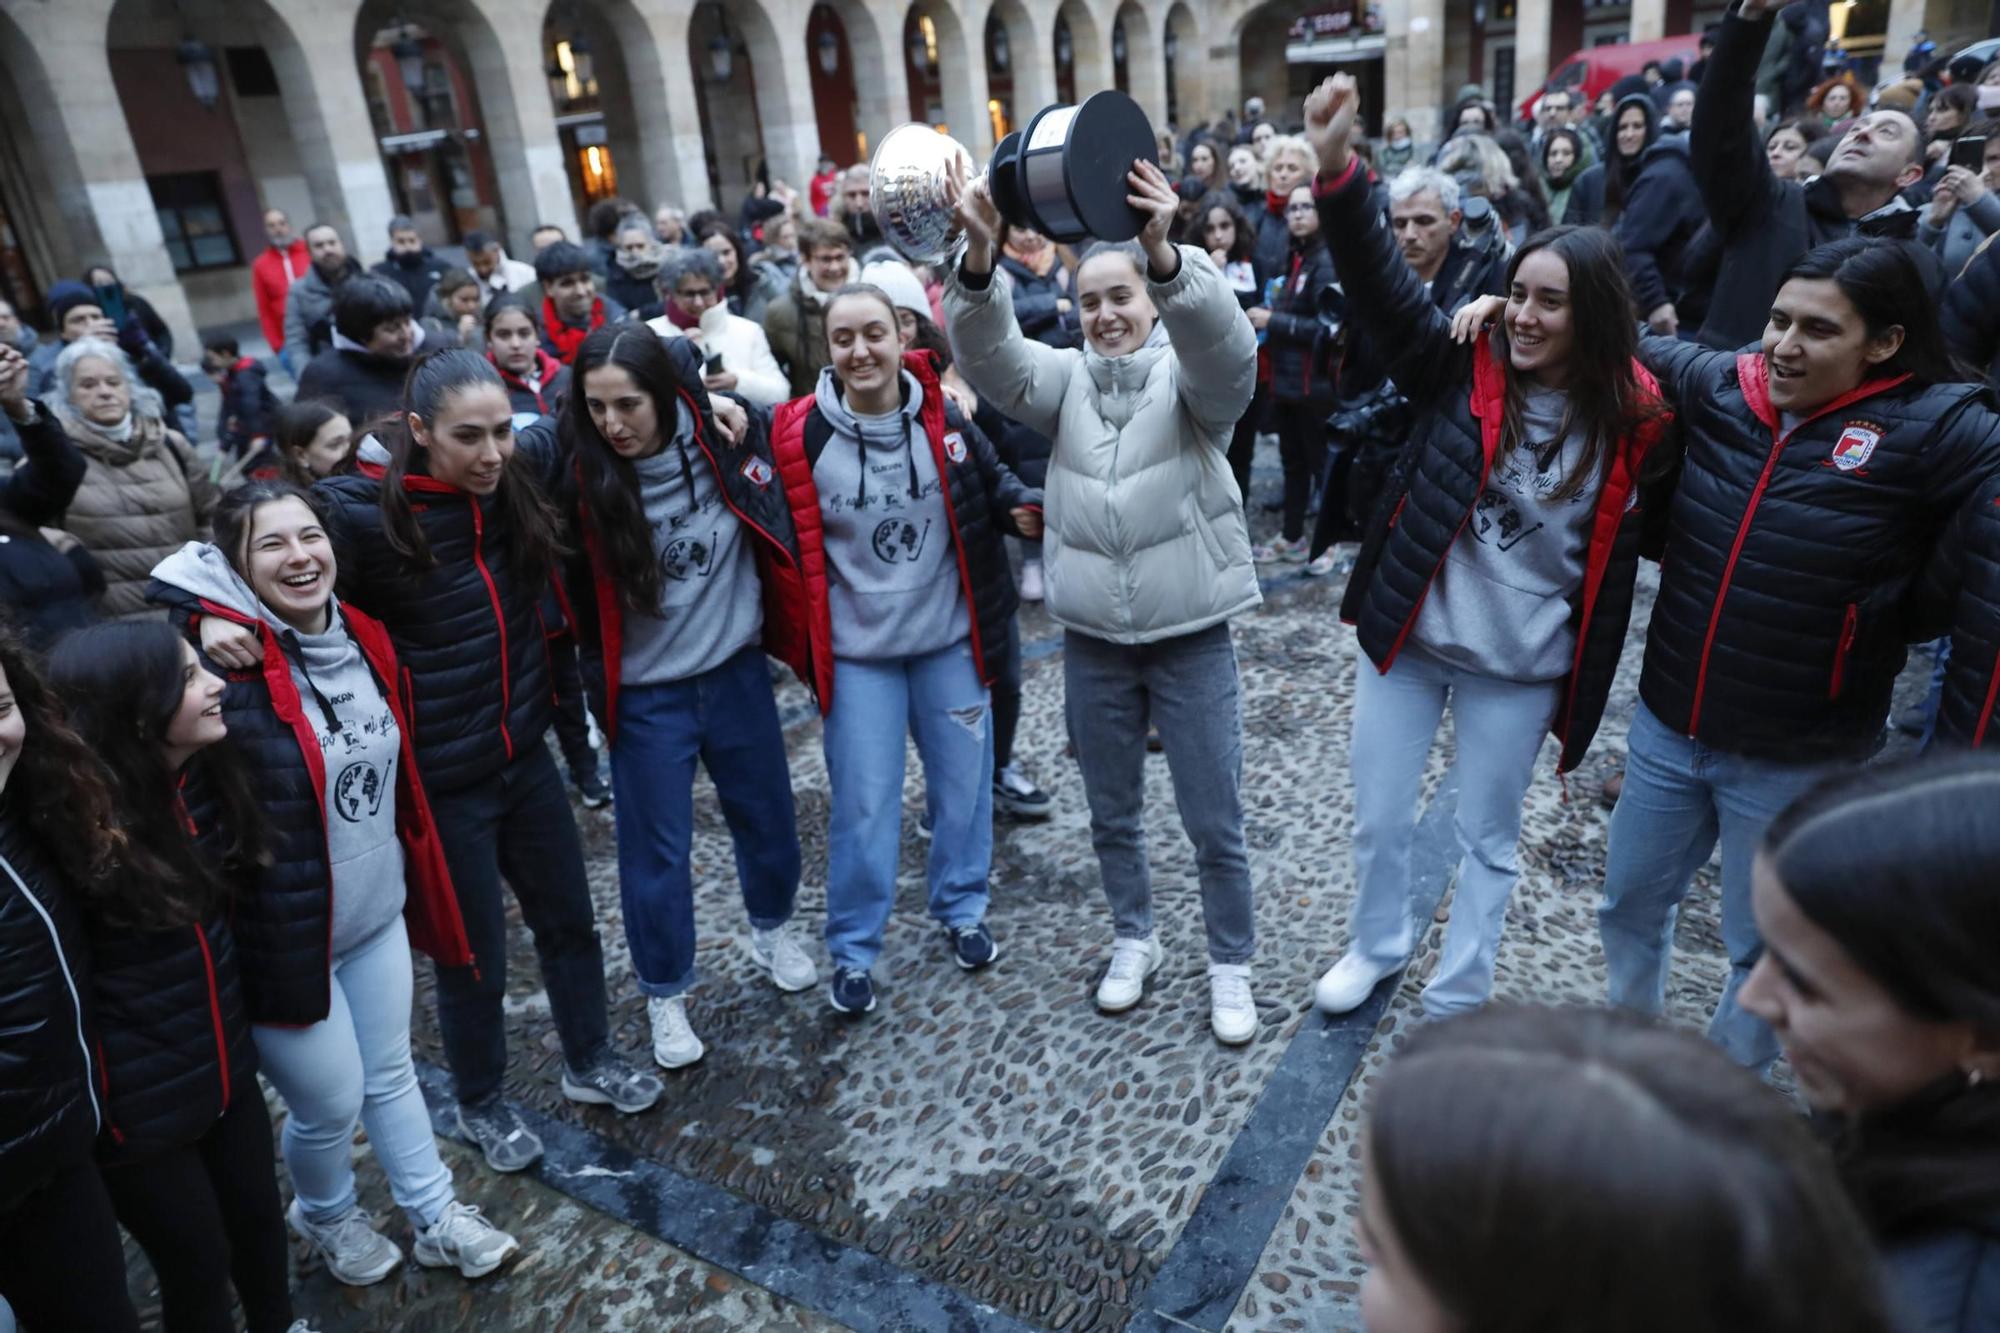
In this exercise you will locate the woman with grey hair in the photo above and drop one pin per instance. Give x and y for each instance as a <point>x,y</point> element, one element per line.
<point>144,491</point>
<point>736,356</point>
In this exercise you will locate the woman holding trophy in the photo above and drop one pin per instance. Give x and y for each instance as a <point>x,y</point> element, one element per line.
<point>1146,553</point>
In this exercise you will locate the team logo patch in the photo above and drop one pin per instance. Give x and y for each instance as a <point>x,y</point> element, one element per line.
<point>954,446</point>
<point>756,471</point>
<point>1855,446</point>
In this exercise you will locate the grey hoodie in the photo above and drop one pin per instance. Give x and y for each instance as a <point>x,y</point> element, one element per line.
<point>711,604</point>
<point>892,574</point>
<point>358,739</point>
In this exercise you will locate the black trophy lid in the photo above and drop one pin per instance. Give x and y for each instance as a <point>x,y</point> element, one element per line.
<point>1108,133</point>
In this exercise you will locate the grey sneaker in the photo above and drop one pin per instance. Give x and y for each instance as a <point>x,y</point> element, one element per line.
<point>497,1131</point>
<point>612,1082</point>
<point>350,1247</point>
<point>779,950</point>
<point>464,1240</point>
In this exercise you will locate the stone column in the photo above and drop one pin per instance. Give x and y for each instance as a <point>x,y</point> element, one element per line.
<point>1031,59</point>
<point>1531,51</point>
<point>310,43</point>
<point>775,33</point>
<point>79,134</point>
<point>505,56</point>
<point>1413,66</point>
<point>663,103</point>
<point>1649,19</point>
<point>1145,67</point>
<point>1906,19</point>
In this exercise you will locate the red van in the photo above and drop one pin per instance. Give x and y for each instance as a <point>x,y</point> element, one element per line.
<point>1592,71</point>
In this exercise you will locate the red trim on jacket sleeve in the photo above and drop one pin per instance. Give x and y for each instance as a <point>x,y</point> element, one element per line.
<point>1324,185</point>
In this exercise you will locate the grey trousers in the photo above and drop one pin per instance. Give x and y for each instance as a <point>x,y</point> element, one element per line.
<point>1188,686</point>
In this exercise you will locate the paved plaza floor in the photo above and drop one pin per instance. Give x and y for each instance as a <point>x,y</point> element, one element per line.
<point>986,1151</point>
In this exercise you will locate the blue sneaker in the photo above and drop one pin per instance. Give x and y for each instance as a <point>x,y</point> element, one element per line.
<point>852,992</point>
<point>972,946</point>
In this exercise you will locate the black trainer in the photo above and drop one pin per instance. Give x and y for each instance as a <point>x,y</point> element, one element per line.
<point>851,992</point>
<point>972,946</point>
<point>590,786</point>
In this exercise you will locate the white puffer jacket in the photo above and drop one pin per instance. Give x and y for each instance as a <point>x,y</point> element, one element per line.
<point>1145,537</point>
<point>744,350</point>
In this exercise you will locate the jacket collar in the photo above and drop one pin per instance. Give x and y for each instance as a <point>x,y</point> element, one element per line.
<point>1124,374</point>
<point>1754,378</point>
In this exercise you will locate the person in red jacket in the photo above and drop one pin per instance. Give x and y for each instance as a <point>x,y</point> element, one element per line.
<point>271,276</point>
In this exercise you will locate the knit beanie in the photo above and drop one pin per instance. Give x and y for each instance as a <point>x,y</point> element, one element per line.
<point>900,283</point>
<point>66,296</point>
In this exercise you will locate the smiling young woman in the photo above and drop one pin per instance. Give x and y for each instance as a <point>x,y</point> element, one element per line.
<point>1497,575</point>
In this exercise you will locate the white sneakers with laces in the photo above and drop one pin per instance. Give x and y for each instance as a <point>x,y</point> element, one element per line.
<point>1348,982</point>
<point>464,1240</point>
<point>779,950</point>
<point>674,1044</point>
<point>351,1248</point>
<point>1132,961</point>
<point>1232,1013</point>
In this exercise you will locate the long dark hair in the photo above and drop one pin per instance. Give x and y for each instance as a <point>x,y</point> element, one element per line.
<point>1604,398</point>
<point>530,521</point>
<point>1514,1149</point>
<point>59,789</point>
<point>123,682</point>
<point>500,305</point>
<point>1213,200</point>
<point>1887,289</point>
<point>294,428</point>
<point>1576,166</point>
<point>1898,864</point>
<point>1619,170</point>
<point>610,483</point>
<point>738,286</point>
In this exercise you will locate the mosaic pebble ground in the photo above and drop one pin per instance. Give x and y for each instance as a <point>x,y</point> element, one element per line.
<point>992,1132</point>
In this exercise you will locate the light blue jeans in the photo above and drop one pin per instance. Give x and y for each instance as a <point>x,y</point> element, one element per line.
<point>938,699</point>
<point>1680,799</point>
<point>355,1065</point>
<point>1498,726</point>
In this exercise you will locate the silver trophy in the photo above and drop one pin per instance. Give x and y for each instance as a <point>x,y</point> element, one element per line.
<point>1064,176</point>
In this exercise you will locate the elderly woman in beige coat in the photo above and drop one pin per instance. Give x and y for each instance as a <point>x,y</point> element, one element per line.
<point>1146,555</point>
<point>144,493</point>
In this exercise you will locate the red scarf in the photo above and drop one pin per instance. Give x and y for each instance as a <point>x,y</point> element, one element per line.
<point>1274,203</point>
<point>563,337</point>
<point>680,318</point>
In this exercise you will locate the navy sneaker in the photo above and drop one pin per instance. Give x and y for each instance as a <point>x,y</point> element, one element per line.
<point>972,946</point>
<point>852,992</point>
<point>590,786</point>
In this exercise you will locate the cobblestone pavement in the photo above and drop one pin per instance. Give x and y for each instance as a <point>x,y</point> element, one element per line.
<point>992,1134</point>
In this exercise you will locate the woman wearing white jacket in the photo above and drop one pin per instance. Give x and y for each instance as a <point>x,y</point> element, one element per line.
<point>1145,553</point>
<point>737,353</point>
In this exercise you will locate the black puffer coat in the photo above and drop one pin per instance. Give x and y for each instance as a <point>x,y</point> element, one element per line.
<point>468,630</point>
<point>44,591</point>
<point>1784,608</point>
<point>1661,213</point>
<point>1295,338</point>
<point>1272,248</point>
<point>1970,311</point>
<point>1962,587</point>
<point>1037,299</point>
<point>982,493</point>
<point>364,384</point>
<point>173,1031</point>
<point>1457,398</point>
<point>49,1113</point>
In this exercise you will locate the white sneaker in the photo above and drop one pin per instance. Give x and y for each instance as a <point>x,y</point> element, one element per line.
<point>779,950</point>
<point>1132,961</point>
<point>1031,580</point>
<point>1348,982</point>
<point>352,1249</point>
<point>464,1240</point>
<point>1231,1010</point>
<point>674,1043</point>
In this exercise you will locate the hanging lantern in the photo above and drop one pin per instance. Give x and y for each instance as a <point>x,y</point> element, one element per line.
<point>920,53</point>
<point>409,62</point>
<point>1172,46</point>
<point>1002,52</point>
<point>1065,53</point>
<point>197,59</point>
<point>1118,41</point>
<point>720,62</point>
<point>829,52</point>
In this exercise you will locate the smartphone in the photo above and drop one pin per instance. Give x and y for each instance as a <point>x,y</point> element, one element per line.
<point>1969,152</point>
<point>712,366</point>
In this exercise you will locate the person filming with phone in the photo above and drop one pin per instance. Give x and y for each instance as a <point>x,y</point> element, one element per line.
<point>736,356</point>
<point>1964,208</point>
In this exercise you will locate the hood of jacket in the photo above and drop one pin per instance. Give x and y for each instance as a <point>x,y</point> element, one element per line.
<point>148,436</point>
<point>200,569</point>
<point>1123,375</point>
<point>1644,102</point>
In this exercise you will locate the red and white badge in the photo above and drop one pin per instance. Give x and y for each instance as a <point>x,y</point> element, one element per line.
<point>954,446</point>
<point>756,471</point>
<point>1855,446</point>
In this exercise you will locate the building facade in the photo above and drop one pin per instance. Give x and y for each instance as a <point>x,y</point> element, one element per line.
<point>150,134</point>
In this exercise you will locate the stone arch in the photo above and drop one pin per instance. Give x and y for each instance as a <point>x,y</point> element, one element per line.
<point>611,97</point>
<point>44,197</point>
<point>957,85</point>
<point>1184,60</point>
<point>1088,67</point>
<point>874,64</point>
<point>724,69</point>
<point>1028,83</point>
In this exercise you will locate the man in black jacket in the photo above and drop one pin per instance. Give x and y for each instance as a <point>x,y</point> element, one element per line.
<point>1764,223</point>
<point>374,338</point>
<point>410,263</point>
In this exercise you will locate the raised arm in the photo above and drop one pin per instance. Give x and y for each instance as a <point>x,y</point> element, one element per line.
<point>1024,379</point>
<point>40,487</point>
<point>1384,298</point>
<point>1737,187</point>
<point>1679,366</point>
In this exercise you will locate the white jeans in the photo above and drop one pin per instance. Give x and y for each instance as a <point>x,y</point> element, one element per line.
<point>1499,725</point>
<point>355,1064</point>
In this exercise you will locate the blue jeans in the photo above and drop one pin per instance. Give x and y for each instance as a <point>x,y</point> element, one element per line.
<point>1498,726</point>
<point>726,718</point>
<point>937,698</point>
<point>355,1064</point>
<point>1188,684</point>
<point>1681,798</point>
